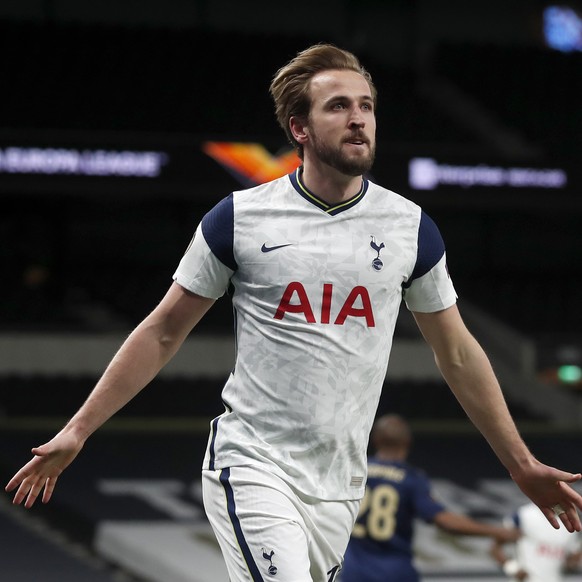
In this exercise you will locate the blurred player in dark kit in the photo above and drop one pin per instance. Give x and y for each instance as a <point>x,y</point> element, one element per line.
<point>381,546</point>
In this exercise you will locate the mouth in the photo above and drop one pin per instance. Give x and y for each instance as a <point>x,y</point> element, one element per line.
<point>357,145</point>
<point>357,141</point>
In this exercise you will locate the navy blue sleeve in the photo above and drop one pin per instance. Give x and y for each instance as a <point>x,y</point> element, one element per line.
<point>431,248</point>
<point>218,230</point>
<point>426,506</point>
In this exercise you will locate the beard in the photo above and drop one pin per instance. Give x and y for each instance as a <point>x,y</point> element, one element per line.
<point>337,159</point>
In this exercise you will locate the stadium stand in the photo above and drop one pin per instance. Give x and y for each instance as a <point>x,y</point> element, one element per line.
<point>541,89</point>
<point>112,70</point>
<point>80,263</point>
<point>56,558</point>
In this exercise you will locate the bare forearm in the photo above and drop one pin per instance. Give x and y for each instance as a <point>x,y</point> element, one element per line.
<point>467,370</point>
<point>140,358</point>
<point>136,363</point>
<point>457,523</point>
<point>472,380</point>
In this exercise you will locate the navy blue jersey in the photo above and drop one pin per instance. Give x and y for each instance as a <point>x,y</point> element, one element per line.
<point>380,548</point>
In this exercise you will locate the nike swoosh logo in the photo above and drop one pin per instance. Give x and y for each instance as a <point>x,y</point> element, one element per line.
<point>266,249</point>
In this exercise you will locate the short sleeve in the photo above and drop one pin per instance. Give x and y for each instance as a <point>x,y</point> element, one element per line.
<point>429,287</point>
<point>425,505</point>
<point>208,264</point>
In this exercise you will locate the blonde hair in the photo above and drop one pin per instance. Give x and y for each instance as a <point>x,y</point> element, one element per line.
<point>290,85</point>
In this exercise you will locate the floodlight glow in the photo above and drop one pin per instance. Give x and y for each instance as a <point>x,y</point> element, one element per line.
<point>562,29</point>
<point>569,374</point>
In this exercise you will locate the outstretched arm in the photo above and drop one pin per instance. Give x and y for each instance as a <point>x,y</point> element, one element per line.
<point>457,523</point>
<point>143,354</point>
<point>468,372</point>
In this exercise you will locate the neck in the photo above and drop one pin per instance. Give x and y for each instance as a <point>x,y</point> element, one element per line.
<point>328,184</point>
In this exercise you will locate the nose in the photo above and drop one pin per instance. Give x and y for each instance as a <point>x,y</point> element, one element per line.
<point>356,118</point>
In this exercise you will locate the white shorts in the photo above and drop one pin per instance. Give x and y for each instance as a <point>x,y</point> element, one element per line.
<point>268,532</point>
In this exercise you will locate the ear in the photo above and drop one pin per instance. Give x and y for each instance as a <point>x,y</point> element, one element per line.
<point>299,129</point>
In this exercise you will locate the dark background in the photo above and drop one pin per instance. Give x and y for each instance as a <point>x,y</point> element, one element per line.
<point>168,76</point>
<point>465,83</point>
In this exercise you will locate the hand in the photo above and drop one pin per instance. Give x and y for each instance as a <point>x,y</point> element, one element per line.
<point>547,487</point>
<point>43,470</point>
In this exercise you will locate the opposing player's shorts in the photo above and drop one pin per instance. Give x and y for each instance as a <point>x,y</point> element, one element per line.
<point>365,564</point>
<point>268,532</point>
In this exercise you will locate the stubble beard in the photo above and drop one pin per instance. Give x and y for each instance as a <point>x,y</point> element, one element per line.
<point>335,157</point>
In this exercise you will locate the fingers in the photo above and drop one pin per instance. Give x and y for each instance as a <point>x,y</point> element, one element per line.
<point>26,471</point>
<point>569,522</point>
<point>41,472</point>
<point>29,482</point>
<point>30,490</point>
<point>564,512</point>
<point>49,487</point>
<point>573,502</point>
<point>32,495</point>
<point>571,519</point>
<point>25,493</point>
<point>551,517</point>
<point>19,478</point>
<point>12,484</point>
<point>573,497</point>
<point>570,477</point>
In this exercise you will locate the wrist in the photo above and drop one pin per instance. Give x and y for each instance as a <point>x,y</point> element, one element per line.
<point>77,431</point>
<point>522,466</point>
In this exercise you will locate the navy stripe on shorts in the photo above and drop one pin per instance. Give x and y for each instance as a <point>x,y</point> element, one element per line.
<point>231,506</point>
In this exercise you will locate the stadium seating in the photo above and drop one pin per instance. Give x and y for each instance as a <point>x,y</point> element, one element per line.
<point>531,88</point>
<point>90,77</point>
<point>182,398</point>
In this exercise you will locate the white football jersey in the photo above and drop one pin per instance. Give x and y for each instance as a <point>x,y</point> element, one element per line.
<point>542,550</point>
<point>316,292</point>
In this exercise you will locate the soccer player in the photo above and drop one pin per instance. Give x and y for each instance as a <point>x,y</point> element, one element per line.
<point>541,553</point>
<point>319,262</point>
<point>380,549</point>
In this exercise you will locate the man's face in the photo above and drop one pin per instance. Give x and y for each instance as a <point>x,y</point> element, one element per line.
<point>342,122</point>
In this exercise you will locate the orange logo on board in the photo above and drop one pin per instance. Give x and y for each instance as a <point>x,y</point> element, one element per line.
<point>251,162</point>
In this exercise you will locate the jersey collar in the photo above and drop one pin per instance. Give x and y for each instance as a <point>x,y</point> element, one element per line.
<point>330,209</point>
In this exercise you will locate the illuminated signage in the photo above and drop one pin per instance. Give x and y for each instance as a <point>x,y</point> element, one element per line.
<point>183,166</point>
<point>562,28</point>
<point>428,174</point>
<point>51,161</point>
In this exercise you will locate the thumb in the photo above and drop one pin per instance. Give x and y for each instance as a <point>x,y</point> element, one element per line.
<point>559,475</point>
<point>565,476</point>
<point>39,451</point>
